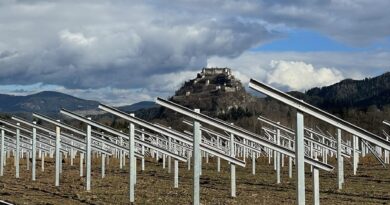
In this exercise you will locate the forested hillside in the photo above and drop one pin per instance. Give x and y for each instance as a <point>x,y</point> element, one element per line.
<point>365,103</point>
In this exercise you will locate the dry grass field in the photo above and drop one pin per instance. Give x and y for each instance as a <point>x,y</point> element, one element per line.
<point>155,185</point>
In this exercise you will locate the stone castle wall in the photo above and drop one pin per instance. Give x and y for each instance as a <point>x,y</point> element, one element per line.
<point>215,71</point>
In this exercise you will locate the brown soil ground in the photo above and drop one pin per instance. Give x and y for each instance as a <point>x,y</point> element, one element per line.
<point>155,185</point>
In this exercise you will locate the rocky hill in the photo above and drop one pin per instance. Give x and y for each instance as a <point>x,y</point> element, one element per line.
<point>215,91</point>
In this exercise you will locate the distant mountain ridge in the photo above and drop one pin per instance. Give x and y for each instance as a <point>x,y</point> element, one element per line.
<point>350,94</point>
<point>44,102</point>
<point>50,102</point>
<point>138,106</point>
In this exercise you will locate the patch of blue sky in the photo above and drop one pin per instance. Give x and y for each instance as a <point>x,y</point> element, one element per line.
<point>306,41</point>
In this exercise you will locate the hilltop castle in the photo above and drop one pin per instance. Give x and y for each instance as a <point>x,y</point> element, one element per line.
<point>213,90</point>
<point>211,80</point>
<point>215,71</point>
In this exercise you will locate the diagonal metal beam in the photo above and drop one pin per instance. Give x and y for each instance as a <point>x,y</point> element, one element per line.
<point>318,113</point>
<point>237,131</point>
<point>171,133</point>
<point>118,133</point>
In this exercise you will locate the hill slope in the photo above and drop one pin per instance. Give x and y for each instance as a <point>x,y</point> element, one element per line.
<point>217,93</point>
<point>351,94</point>
<point>365,103</point>
<point>138,106</point>
<point>44,102</point>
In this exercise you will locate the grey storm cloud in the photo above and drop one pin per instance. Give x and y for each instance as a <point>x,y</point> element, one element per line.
<point>95,44</point>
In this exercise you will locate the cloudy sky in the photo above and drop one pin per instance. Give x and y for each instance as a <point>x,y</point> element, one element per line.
<point>122,51</point>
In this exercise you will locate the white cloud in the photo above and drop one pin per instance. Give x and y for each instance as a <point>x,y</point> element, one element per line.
<point>257,65</point>
<point>301,76</point>
<point>168,83</point>
<point>76,38</point>
<point>240,76</point>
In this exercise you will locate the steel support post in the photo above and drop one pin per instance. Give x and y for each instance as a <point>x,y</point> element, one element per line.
<point>58,153</point>
<point>316,186</point>
<point>17,157</point>
<point>135,169</point>
<point>232,168</point>
<point>103,165</point>
<point>121,154</point>
<point>299,159</point>
<point>34,152</point>
<point>274,157</point>
<point>188,160</point>
<point>27,160</point>
<point>197,161</point>
<point>81,164</point>
<point>340,166</point>
<point>143,152</point>
<point>218,158</point>
<point>2,153</point>
<point>169,157</point>
<point>163,159</point>
<point>88,156</point>
<point>5,157</point>
<point>355,155</point>
<point>269,155</point>
<point>277,157</point>
<point>71,153</point>
<point>131,161</point>
<point>244,151</point>
<point>176,170</point>
<point>43,161</point>
<point>326,156</point>
<point>253,163</point>
<point>311,150</point>
<point>290,163</point>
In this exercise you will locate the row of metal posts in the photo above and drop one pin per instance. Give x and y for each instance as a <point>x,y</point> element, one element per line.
<point>196,168</point>
<point>57,152</point>
<point>88,159</point>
